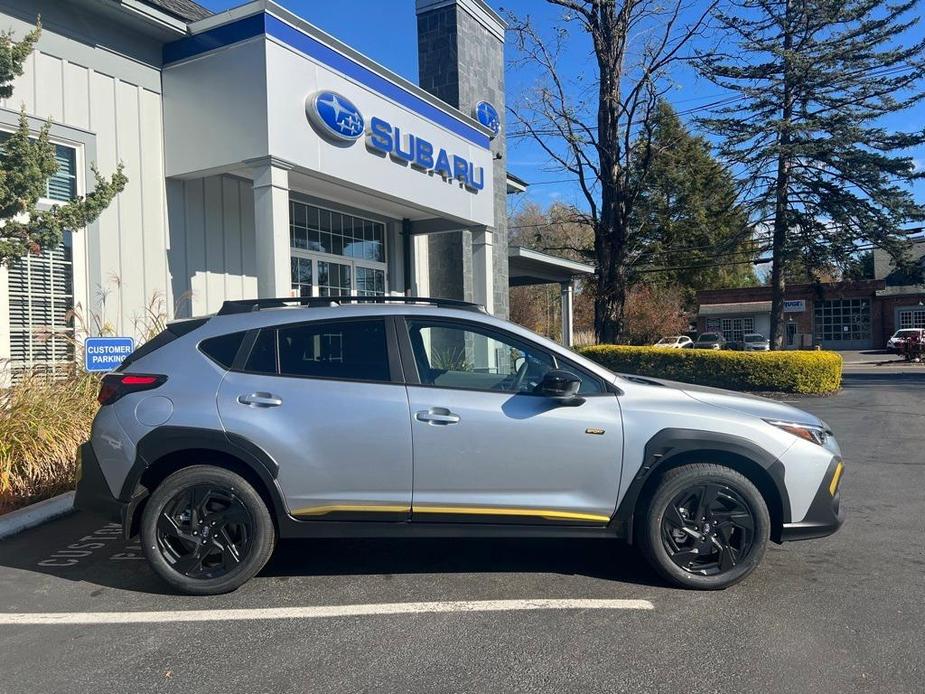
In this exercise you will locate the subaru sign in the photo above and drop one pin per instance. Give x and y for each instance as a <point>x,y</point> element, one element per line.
<point>487,115</point>
<point>106,353</point>
<point>335,116</point>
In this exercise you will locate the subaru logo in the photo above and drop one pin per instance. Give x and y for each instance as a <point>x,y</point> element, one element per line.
<point>487,115</point>
<point>335,116</point>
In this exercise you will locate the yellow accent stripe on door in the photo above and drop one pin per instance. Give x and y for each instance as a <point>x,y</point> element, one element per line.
<point>535,513</point>
<point>833,485</point>
<point>322,510</point>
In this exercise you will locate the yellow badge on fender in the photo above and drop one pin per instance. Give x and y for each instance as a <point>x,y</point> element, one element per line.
<point>596,432</point>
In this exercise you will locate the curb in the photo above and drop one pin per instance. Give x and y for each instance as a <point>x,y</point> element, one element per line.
<point>35,514</point>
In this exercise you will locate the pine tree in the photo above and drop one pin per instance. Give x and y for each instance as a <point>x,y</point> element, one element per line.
<point>27,160</point>
<point>687,217</point>
<point>814,80</point>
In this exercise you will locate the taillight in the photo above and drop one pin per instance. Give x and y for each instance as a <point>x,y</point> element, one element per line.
<point>114,386</point>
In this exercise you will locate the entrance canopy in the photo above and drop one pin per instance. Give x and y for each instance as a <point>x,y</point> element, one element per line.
<point>527,267</point>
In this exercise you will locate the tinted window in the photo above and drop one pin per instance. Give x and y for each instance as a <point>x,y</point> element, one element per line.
<point>354,350</point>
<point>222,349</point>
<point>262,358</point>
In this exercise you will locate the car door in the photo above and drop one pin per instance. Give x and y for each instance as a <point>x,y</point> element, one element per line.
<point>486,449</point>
<point>325,400</point>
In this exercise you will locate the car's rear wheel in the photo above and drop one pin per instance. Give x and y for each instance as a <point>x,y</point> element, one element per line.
<point>705,527</point>
<point>205,530</point>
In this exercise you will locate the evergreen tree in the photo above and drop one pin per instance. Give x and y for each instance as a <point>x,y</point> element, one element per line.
<point>815,78</point>
<point>687,217</point>
<point>27,160</point>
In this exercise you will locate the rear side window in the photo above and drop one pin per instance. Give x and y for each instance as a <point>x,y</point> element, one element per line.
<point>352,350</point>
<point>262,358</point>
<point>222,349</point>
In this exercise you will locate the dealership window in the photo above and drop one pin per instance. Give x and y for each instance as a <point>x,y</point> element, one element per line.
<point>335,254</point>
<point>41,299</point>
<point>40,287</point>
<point>911,318</point>
<point>842,320</point>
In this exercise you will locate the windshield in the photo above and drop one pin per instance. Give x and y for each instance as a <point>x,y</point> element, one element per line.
<point>668,340</point>
<point>708,337</point>
<point>754,338</point>
<point>907,333</point>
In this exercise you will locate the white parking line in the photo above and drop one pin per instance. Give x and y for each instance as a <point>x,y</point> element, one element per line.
<point>51,618</point>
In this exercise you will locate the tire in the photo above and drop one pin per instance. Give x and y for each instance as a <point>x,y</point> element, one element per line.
<point>206,530</point>
<point>714,553</point>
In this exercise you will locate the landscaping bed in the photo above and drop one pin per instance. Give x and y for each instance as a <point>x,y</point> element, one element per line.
<point>43,419</point>
<point>784,372</point>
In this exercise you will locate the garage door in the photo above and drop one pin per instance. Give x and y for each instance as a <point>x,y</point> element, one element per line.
<point>842,323</point>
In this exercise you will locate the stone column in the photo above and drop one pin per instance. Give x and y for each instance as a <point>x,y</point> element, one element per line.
<point>271,225</point>
<point>461,61</point>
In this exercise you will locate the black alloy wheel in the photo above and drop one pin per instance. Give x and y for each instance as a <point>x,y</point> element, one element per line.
<point>705,526</point>
<point>708,529</point>
<point>204,531</point>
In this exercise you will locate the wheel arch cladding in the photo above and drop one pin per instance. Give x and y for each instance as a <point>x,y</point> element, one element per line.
<point>672,448</point>
<point>168,449</point>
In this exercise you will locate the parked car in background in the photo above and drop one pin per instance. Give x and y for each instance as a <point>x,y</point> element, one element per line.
<point>895,343</point>
<point>710,341</point>
<point>755,342</point>
<point>675,342</point>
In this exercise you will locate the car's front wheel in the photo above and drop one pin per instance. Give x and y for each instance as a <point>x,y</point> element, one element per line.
<point>205,530</point>
<point>705,526</point>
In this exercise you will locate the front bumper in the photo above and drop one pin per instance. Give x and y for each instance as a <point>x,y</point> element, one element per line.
<point>825,514</point>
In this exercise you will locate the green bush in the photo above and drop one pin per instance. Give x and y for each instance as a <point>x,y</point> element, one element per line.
<point>788,372</point>
<point>43,419</point>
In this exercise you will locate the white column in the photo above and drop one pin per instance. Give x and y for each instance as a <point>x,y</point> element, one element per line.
<point>566,297</point>
<point>483,275</point>
<point>271,224</point>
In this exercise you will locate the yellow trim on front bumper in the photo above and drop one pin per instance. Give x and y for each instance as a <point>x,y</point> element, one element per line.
<point>487,511</point>
<point>335,508</point>
<point>833,485</point>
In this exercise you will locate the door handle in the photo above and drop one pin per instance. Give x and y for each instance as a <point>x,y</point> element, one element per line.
<point>260,400</point>
<point>437,415</point>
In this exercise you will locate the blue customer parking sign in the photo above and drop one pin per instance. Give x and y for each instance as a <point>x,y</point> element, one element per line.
<point>106,353</point>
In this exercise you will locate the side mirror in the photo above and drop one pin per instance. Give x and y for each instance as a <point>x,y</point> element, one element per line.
<point>561,385</point>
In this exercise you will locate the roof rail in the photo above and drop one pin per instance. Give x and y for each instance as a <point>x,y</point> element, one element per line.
<point>248,305</point>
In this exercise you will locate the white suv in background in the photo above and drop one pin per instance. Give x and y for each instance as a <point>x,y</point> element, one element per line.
<point>895,343</point>
<point>675,342</point>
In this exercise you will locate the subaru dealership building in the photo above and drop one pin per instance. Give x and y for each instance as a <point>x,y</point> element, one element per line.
<point>265,158</point>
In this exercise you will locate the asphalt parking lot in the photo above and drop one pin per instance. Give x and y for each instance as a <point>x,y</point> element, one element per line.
<point>844,613</point>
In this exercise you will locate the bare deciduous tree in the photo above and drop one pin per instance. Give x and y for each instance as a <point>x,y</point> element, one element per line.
<point>599,133</point>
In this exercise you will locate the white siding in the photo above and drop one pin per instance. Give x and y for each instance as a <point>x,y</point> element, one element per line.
<point>110,96</point>
<point>212,242</point>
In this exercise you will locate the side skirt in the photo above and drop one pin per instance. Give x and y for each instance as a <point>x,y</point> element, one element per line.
<point>289,528</point>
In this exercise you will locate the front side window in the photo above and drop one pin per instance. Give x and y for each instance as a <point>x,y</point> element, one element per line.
<point>454,356</point>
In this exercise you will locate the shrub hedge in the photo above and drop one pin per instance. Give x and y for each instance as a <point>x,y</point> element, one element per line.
<point>788,372</point>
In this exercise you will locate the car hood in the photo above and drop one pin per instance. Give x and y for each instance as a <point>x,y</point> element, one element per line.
<point>753,405</point>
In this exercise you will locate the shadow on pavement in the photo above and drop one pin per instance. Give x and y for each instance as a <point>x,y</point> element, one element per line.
<point>82,548</point>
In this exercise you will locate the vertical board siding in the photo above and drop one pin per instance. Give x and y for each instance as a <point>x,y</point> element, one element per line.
<point>126,255</point>
<point>212,242</point>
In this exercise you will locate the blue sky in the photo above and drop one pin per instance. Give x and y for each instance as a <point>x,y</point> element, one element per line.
<point>385,30</point>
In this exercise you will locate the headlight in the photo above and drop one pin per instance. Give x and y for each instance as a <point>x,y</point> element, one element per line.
<point>814,434</point>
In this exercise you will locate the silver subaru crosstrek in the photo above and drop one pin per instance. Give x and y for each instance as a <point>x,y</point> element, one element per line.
<point>384,417</point>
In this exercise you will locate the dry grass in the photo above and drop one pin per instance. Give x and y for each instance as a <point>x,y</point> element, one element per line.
<point>43,420</point>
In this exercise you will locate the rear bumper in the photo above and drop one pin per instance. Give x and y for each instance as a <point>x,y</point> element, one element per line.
<point>825,514</point>
<point>93,494</point>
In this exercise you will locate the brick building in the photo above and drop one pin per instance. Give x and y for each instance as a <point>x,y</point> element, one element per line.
<point>836,315</point>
